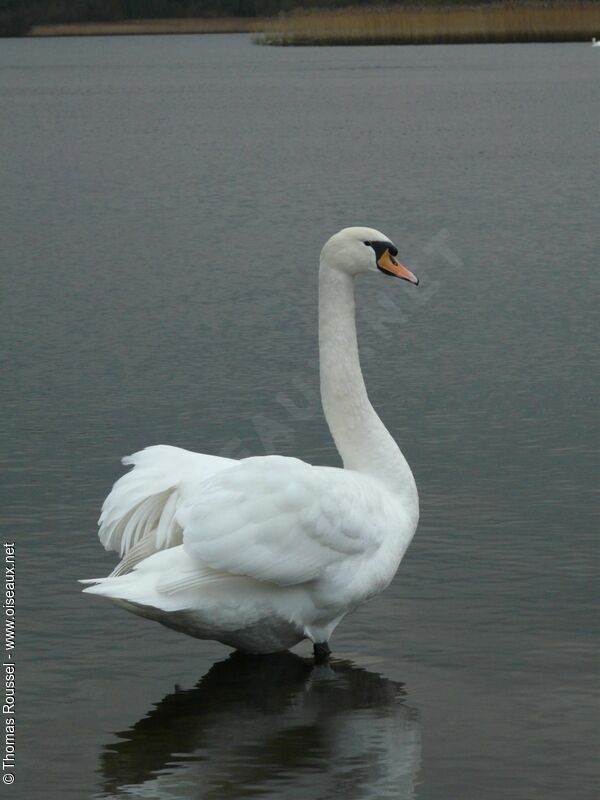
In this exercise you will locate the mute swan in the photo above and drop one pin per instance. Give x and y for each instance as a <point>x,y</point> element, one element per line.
<point>262,553</point>
<point>595,42</point>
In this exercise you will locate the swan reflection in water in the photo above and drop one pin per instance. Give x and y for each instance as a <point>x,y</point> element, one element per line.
<point>271,726</point>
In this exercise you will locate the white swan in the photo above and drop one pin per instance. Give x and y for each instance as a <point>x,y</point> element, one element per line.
<point>595,42</point>
<point>264,552</point>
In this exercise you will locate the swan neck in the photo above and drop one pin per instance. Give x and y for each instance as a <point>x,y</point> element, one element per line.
<point>360,436</point>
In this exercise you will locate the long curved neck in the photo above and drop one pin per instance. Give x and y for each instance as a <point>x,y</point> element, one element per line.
<point>361,438</point>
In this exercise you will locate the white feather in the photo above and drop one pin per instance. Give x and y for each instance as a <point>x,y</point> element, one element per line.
<point>284,521</point>
<point>142,504</point>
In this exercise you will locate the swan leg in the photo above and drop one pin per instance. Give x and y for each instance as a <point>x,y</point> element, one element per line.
<point>321,652</point>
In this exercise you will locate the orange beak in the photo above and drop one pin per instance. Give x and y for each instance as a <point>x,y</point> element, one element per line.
<point>387,263</point>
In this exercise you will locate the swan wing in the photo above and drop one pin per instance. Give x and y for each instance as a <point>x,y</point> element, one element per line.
<point>282,520</point>
<point>139,515</point>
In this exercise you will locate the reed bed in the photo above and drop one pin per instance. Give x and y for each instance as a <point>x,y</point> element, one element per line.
<point>446,25</point>
<point>152,26</point>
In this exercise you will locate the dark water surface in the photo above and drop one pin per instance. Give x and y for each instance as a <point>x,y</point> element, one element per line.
<point>164,200</point>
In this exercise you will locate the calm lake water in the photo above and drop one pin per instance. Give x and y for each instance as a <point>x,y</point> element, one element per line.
<point>164,201</point>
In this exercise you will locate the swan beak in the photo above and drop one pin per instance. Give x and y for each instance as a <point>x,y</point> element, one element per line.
<point>387,263</point>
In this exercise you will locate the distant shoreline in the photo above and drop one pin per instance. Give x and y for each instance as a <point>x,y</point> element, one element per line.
<point>149,27</point>
<point>371,26</point>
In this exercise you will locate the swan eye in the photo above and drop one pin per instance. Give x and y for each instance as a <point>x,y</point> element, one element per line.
<point>381,247</point>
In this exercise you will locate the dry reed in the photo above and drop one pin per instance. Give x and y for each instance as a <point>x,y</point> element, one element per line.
<point>450,25</point>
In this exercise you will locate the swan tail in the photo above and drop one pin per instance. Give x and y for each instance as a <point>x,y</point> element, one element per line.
<point>169,580</point>
<point>139,584</point>
<point>119,588</point>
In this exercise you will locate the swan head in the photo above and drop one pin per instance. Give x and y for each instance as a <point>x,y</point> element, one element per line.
<point>355,250</point>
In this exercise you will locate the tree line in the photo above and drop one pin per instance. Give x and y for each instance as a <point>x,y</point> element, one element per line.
<point>18,16</point>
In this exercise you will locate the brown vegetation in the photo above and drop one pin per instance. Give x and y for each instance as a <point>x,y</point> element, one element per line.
<point>397,24</point>
<point>426,25</point>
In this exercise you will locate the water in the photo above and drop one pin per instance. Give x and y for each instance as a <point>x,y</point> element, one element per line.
<point>164,202</point>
